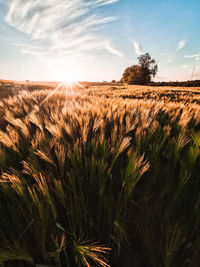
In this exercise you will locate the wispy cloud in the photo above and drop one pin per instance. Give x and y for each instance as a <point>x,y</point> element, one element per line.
<point>66,26</point>
<point>169,58</point>
<point>105,2</point>
<point>181,44</point>
<point>138,48</point>
<point>194,56</point>
<point>30,49</point>
<point>113,49</point>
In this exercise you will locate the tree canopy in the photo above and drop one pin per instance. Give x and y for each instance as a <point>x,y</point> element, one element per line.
<point>141,73</point>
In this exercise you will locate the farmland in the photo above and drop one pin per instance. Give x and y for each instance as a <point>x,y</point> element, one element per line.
<point>106,175</point>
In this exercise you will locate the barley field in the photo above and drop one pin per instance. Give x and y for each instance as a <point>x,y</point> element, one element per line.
<point>100,176</point>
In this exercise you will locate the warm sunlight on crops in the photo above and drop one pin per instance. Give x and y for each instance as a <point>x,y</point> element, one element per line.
<point>104,176</point>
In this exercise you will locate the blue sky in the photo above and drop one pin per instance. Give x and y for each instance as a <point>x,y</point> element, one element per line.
<point>96,40</point>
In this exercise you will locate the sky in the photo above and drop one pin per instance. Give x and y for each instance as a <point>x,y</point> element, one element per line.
<point>95,40</point>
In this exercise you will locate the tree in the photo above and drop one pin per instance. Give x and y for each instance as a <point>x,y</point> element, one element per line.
<point>148,65</point>
<point>141,73</point>
<point>133,75</point>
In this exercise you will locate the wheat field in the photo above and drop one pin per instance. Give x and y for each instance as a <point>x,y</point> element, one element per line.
<point>101,176</point>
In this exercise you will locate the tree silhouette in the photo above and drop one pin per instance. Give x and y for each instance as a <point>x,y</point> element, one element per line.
<point>141,73</point>
<point>149,66</point>
<point>133,75</point>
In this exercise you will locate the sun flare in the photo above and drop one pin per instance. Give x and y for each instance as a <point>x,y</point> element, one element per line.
<point>67,78</point>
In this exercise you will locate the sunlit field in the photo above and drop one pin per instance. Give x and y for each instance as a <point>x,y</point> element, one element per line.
<point>100,176</point>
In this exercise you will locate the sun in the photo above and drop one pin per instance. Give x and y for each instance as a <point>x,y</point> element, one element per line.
<point>67,84</point>
<point>67,78</point>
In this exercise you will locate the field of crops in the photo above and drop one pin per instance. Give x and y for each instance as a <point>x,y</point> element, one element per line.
<point>103,176</point>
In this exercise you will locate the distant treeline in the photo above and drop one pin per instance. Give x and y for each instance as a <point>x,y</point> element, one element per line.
<point>195,83</point>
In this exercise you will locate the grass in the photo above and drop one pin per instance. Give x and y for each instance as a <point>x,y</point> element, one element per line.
<point>108,176</point>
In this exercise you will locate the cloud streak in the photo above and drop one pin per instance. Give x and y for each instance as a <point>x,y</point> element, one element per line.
<point>66,26</point>
<point>194,56</point>
<point>138,48</point>
<point>181,45</point>
<point>30,49</point>
<point>113,49</point>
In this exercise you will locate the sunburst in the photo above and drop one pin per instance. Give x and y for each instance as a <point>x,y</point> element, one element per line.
<point>65,87</point>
